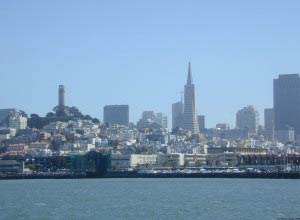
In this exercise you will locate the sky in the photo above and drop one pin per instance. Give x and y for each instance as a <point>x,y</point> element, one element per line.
<point>137,53</point>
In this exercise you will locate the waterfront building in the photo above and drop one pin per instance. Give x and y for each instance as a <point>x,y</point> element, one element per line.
<point>177,115</point>
<point>11,166</point>
<point>201,122</point>
<point>286,95</point>
<point>248,119</point>
<point>269,124</point>
<point>116,114</point>
<point>120,161</point>
<point>170,160</point>
<point>190,120</point>
<point>192,160</point>
<point>137,160</point>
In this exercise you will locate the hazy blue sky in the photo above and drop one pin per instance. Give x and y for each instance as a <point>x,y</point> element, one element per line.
<point>137,53</point>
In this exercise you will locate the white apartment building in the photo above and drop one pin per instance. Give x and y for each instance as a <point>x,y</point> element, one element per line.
<point>17,122</point>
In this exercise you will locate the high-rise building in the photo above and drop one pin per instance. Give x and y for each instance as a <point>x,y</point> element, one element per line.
<point>161,119</point>
<point>286,95</point>
<point>177,115</point>
<point>201,122</point>
<point>269,124</point>
<point>61,97</point>
<point>116,114</point>
<point>148,115</point>
<point>148,120</point>
<point>190,120</point>
<point>6,113</point>
<point>248,119</point>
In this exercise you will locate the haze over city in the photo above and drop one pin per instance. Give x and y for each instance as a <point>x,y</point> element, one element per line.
<point>137,53</point>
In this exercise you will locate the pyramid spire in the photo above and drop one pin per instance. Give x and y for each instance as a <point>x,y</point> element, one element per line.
<point>189,79</point>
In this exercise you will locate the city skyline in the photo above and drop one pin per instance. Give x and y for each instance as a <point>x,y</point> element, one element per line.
<point>120,109</point>
<point>62,104</point>
<point>236,51</point>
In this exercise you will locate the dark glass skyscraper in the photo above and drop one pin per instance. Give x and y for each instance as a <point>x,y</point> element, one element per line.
<point>116,114</point>
<point>286,92</point>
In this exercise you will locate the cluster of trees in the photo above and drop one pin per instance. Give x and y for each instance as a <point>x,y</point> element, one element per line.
<point>70,113</point>
<point>35,121</point>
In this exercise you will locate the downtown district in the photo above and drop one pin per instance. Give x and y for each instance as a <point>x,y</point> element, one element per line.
<point>65,140</point>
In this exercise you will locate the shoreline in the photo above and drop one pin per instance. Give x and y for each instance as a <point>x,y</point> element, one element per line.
<point>114,175</point>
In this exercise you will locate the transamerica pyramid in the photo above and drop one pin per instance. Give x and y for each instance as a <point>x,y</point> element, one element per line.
<point>190,120</point>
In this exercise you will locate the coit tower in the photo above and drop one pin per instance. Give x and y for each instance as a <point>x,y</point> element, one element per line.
<point>61,97</point>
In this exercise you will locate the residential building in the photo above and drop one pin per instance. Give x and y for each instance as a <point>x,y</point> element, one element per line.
<point>162,120</point>
<point>148,120</point>
<point>17,122</point>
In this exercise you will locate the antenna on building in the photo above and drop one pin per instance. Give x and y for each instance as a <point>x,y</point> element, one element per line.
<point>181,96</point>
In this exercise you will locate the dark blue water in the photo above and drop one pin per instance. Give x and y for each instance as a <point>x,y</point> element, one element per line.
<point>150,199</point>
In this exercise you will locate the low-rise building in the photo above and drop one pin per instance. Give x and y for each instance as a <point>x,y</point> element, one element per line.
<point>11,166</point>
<point>192,160</point>
<point>142,160</point>
<point>119,161</point>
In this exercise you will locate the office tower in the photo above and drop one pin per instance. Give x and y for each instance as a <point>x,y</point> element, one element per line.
<point>6,113</point>
<point>162,120</point>
<point>248,119</point>
<point>269,124</point>
<point>190,120</point>
<point>116,114</point>
<point>286,95</point>
<point>177,115</point>
<point>61,97</point>
<point>201,122</point>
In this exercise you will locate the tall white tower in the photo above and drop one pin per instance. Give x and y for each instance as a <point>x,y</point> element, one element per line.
<point>61,97</point>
